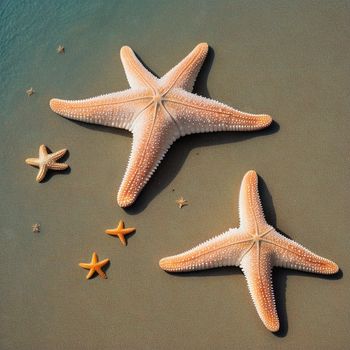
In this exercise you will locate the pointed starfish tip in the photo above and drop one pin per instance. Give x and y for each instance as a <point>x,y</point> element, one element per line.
<point>125,49</point>
<point>125,201</point>
<point>273,327</point>
<point>203,45</point>
<point>250,175</point>
<point>164,264</point>
<point>333,268</point>
<point>54,104</point>
<point>266,120</point>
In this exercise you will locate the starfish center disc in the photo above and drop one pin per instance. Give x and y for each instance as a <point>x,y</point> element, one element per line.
<point>256,238</point>
<point>157,98</point>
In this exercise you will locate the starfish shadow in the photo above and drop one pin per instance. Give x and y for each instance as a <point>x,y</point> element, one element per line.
<point>50,173</point>
<point>128,236</point>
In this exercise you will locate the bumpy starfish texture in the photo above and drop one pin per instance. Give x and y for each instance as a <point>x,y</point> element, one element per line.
<point>120,231</point>
<point>47,161</point>
<point>256,247</point>
<point>95,266</point>
<point>157,112</point>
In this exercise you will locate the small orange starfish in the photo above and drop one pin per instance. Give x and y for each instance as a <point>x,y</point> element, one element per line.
<point>120,231</point>
<point>94,266</point>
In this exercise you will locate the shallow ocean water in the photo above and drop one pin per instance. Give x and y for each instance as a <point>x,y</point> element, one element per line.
<point>287,59</point>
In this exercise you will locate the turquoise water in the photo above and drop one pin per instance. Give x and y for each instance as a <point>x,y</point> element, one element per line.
<point>287,59</point>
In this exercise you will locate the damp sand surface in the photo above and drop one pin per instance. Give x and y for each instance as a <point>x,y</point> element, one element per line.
<point>287,59</point>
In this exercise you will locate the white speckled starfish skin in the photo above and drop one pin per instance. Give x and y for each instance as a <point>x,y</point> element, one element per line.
<point>157,112</point>
<point>256,247</point>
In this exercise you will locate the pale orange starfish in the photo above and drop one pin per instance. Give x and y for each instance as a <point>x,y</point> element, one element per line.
<point>30,91</point>
<point>47,161</point>
<point>181,202</point>
<point>120,231</point>
<point>95,266</point>
<point>157,112</point>
<point>36,228</point>
<point>256,247</point>
<point>60,49</point>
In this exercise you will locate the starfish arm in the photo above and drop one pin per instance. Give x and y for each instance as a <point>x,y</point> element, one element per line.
<point>58,166</point>
<point>102,263</point>
<point>128,230</point>
<point>32,161</point>
<point>122,239</point>
<point>117,109</point>
<point>154,132</point>
<point>90,273</point>
<point>184,74</point>
<point>138,76</point>
<point>112,232</point>
<point>195,114</point>
<point>257,269</point>
<point>94,258</point>
<point>57,155</point>
<point>250,210</point>
<point>85,265</point>
<point>42,151</point>
<point>42,173</point>
<point>100,272</point>
<point>120,225</point>
<point>226,249</point>
<point>292,255</point>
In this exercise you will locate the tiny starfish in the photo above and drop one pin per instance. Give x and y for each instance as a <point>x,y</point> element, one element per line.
<point>157,112</point>
<point>47,161</point>
<point>95,266</point>
<point>60,49</point>
<point>256,247</point>
<point>30,91</point>
<point>181,202</point>
<point>36,228</point>
<point>120,231</point>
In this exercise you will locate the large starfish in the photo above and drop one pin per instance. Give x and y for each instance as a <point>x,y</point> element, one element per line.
<point>157,112</point>
<point>256,247</point>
